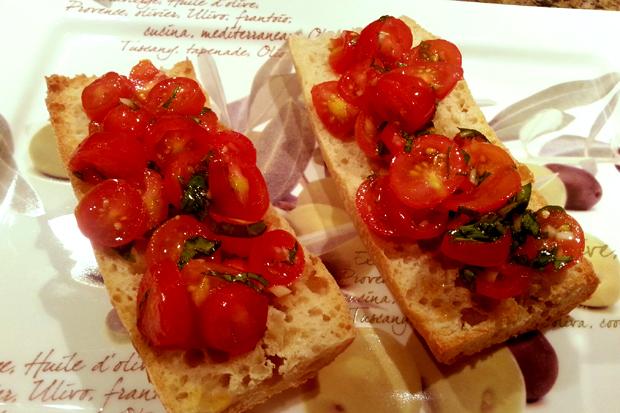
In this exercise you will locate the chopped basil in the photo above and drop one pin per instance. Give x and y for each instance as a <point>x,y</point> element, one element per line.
<point>487,228</point>
<point>544,257</point>
<point>195,200</point>
<point>246,278</point>
<point>471,134</point>
<point>467,276</point>
<point>125,252</point>
<point>197,247</point>
<point>172,96</point>
<point>251,230</point>
<point>382,149</point>
<point>292,253</point>
<point>466,156</point>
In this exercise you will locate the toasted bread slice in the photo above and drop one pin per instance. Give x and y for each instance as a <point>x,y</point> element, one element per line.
<point>453,322</point>
<point>306,329</point>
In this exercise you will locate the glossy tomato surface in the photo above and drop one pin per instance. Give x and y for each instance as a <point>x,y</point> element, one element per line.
<point>336,114</point>
<point>107,155</point>
<point>111,214</point>
<point>278,257</point>
<point>178,95</point>
<point>165,318</point>
<point>168,240</point>
<point>561,241</point>
<point>104,93</point>
<point>238,190</point>
<point>407,100</point>
<point>429,173</point>
<point>233,318</point>
<point>505,281</point>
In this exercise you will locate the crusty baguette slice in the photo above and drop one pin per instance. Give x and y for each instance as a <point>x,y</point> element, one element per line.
<point>306,329</point>
<point>446,315</point>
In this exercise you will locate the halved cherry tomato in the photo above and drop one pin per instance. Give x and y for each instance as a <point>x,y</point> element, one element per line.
<point>442,77</point>
<point>560,233</point>
<point>178,95</point>
<point>127,118</point>
<point>505,281</point>
<point>343,52</point>
<point>429,173</point>
<point>478,253</point>
<point>490,195</point>
<point>337,115</point>
<point>407,100</point>
<point>107,155</point>
<point>387,38</point>
<point>377,138</point>
<point>171,135</point>
<point>492,179</point>
<point>385,215</point>
<point>207,118</point>
<point>437,50</point>
<point>234,144</point>
<point>233,318</point>
<point>199,285</point>
<point>104,93</point>
<point>150,186</point>
<point>111,214</point>
<point>278,257</point>
<point>143,76</point>
<point>354,84</point>
<point>367,201</point>
<point>165,318</point>
<point>168,240</point>
<point>238,190</point>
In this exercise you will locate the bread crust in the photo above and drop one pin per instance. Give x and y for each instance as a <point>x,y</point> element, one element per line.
<point>306,329</point>
<point>453,321</point>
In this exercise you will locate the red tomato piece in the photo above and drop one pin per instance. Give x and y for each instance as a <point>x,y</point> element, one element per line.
<point>104,93</point>
<point>437,50</point>
<point>354,84</point>
<point>337,115</point>
<point>407,100</point>
<point>505,281</point>
<point>178,95</point>
<point>385,215</point>
<point>165,317</point>
<point>442,77</point>
<point>429,173</point>
<point>278,257</point>
<point>238,190</point>
<point>168,240</point>
<point>207,118</point>
<point>127,118</point>
<point>150,186</point>
<point>233,318</point>
<point>367,201</point>
<point>561,232</point>
<point>377,138</point>
<point>387,38</point>
<point>107,155</point>
<point>490,195</point>
<point>478,253</point>
<point>492,179</point>
<point>169,136</point>
<point>111,214</point>
<point>236,145</point>
<point>343,52</point>
<point>143,76</point>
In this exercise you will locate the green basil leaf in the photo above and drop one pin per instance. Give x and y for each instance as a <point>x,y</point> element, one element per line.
<point>196,247</point>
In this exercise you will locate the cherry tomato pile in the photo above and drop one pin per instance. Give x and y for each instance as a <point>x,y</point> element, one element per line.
<point>462,191</point>
<point>167,180</point>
